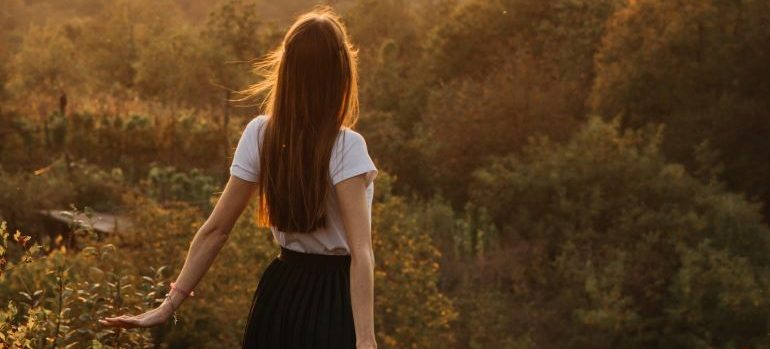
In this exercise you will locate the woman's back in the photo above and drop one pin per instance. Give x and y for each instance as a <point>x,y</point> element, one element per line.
<point>349,157</point>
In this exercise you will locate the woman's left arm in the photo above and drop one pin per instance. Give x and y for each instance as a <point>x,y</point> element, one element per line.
<point>205,246</point>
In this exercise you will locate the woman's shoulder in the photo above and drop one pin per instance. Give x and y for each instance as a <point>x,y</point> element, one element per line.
<point>258,119</point>
<point>348,137</point>
<point>254,125</point>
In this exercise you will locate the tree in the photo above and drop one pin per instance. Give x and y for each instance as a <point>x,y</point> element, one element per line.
<point>112,46</point>
<point>468,120</point>
<point>677,62</point>
<point>46,63</point>
<point>172,69</point>
<point>236,35</point>
<point>501,71</point>
<point>605,244</point>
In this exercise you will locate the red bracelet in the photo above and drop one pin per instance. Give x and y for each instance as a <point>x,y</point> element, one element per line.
<point>189,294</point>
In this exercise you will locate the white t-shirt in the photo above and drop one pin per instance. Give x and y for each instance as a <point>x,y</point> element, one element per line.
<point>349,158</point>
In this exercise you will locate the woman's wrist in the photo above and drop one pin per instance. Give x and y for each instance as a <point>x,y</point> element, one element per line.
<point>175,299</point>
<point>177,295</point>
<point>184,292</point>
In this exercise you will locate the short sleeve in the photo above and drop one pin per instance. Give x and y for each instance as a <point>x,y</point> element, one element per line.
<point>350,157</point>
<point>245,163</point>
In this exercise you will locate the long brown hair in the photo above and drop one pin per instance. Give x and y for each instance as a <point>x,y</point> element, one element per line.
<point>310,92</point>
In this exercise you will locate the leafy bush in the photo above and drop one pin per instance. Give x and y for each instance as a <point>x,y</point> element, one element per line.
<point>167,183</point>
<point>55,300</point>
<point>412,312</point>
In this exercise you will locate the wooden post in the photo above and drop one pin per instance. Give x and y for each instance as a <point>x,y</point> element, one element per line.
<point>63,103</point>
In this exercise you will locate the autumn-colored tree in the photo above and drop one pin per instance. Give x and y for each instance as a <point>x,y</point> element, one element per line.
<point>700,68</point>
<point>236,35</point>
<point>46,64</point>
<point>412,312</point>
<point>504,71</point>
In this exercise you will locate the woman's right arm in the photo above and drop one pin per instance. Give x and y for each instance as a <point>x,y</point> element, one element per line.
<point>356,218</point>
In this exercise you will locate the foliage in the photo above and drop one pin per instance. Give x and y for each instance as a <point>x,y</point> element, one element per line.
<point>133,143</point>
<point>468,120</point>
<point>167,183</point>
<point>540,53</point>
<point>406,280</point>
<point>55,299</point>
<point>611,246</point>
<point>45,63</point>
<point>676,62</point>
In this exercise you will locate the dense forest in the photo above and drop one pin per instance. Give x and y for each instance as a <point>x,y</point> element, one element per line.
<point>553,174</point>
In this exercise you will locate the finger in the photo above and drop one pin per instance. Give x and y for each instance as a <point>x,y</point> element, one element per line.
<point>122,323</point>
<point>110,323</point>
<point>129,323</point>
<point>112,320</point>
<point>118,319</point>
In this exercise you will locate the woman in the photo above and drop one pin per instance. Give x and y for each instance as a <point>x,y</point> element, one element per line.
<point>314,180</point>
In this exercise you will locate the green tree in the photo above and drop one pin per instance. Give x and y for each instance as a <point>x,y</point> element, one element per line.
<point>605,244</point>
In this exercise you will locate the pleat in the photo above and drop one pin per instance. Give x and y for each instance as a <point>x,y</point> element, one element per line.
<point>310,341</point>
<point>279,308</point>
<point>270,318</point>
<point>300,314</point>
<point>273,279</point>
<point>336,312</point>
<point>323,327</point>
<point>296,285</point>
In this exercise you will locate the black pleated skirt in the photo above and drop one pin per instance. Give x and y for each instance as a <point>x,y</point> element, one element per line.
<point>302,301</point>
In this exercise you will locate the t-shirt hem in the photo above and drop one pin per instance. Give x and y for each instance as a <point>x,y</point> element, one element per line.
<point>242,174</point>
<point>352,172</point>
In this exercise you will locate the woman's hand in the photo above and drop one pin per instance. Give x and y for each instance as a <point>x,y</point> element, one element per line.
<point>154,317</point>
